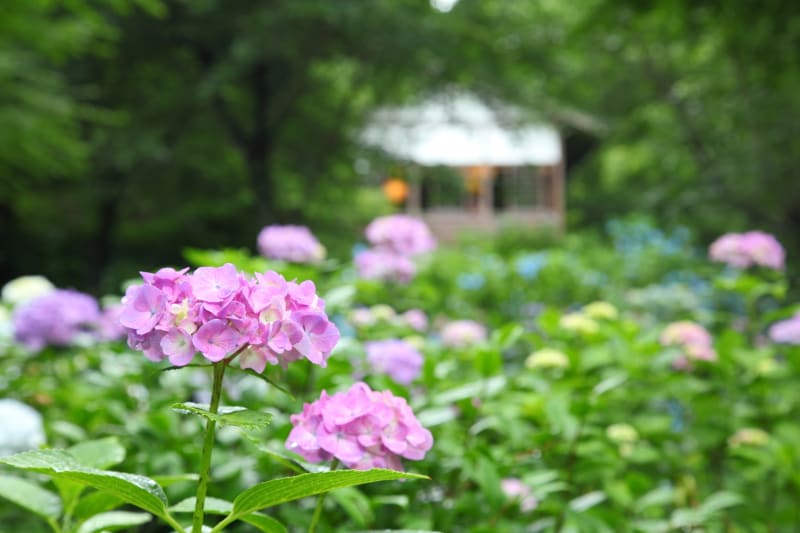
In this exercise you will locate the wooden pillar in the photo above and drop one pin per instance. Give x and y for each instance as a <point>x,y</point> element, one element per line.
<point>414,200</point>
<point>558,189</point>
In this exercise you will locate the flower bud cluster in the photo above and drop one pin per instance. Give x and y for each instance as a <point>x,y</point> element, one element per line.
<point>395,240</point>
<point>361,428</point>
<point>219,311</point>
<point>695,340</point>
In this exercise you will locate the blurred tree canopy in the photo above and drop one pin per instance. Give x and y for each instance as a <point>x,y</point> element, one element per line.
<point>130,129</point>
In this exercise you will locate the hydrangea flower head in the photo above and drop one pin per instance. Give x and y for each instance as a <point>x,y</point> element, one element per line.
<point>743,250</point>
<point>416,319</point>
<point>601,311</point>
<point>748,437</point>
<point>547,358</point>
<point>693,338</point>
<point>26,288</point>
<point>385,265</point>
<point>515,489</point>
<point>401,361</point>
<point>402,234</point>
<point>786,331</point>
<point>463,333</point>
<point>361,428</point>
<point>217,311</point>
<point>579,323</point>
<point>292,243</point>
<point>57,318</point>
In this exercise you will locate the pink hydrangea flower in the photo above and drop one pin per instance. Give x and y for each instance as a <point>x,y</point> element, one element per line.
<point>219,312</point>
<point>786,331</point>
<point>416,319</point>
<point>291,243</point>
<point>57,318</point>
<point>515,489</point>
<point>402,234</point>
<point>742,250</point>
<point>694,339</point>
<point>385,265</point>
<point>463,333</point>
<point>401,361</point>
<point>361,428</point>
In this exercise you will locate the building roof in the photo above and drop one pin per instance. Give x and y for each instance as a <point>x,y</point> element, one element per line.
<point>460,130</point>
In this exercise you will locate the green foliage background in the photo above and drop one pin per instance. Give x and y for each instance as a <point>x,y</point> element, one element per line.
<point>132,128</point>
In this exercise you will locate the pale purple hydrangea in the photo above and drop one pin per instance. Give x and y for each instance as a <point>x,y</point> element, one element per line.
<point>58,318</point>
<point>463,333</point>
<point>291,243</point>
<point>401,361</point>
<point>786,331</point>
<point>219,311</point>
<point>108,326</point>
<point>743,250</point>
<point>694,339</point>
<point>402,234</point>
<point>385,265</point>
<point>416,319</point>
<point>361,428</point>
<point>516,490</point>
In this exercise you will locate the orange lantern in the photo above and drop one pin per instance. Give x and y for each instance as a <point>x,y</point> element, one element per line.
<point>396,190</point>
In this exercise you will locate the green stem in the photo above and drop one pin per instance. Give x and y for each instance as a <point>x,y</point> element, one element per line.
<point>208,447</point>
<point>320,503</point>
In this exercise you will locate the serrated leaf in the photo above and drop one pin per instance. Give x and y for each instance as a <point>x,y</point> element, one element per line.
<point>138,490</point>
<point>231,416</point>
<point>30,496</point>
<point>221,507</point>
<point>100,453</point>
<point>277,491</point>
<point>112,521</point>
<point>587,501</point>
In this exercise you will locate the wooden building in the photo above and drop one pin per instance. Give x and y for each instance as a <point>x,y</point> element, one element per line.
<point>470,167</point>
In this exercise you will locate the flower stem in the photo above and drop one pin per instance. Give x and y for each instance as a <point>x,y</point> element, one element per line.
<point>208,447</point>
<point>320,503</point>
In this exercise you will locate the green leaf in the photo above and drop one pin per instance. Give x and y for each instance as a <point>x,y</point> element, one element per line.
<point>30,496</point>
<point>100,453</point>
<point>166,481</point>
<point>221,507</point>
<point>231,416</point>
<point>482,388</point>
<point>277,491</point>
<point>112,521</point>
<point>719,501</point>
<point>96,503</point>
<point>587,501</point>
<point>138,490</point>
<point>660,496</point>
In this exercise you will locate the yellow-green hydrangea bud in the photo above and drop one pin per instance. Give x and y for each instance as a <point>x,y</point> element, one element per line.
<point>26,288</point>
<point>578,322</point>
<point>601,311</point>
<point>622,433</point>
<point>547,358</point>
<point>383,312</point>
<point>748,437</point>
<point>416,341</point>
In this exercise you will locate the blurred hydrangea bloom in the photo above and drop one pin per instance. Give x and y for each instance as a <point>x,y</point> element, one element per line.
<point>26,288</point>
<point>579,323</point>
<point>21,427</point>
<point>529,265</point>
<point>693,338</point>
<point>547,358</point>
<point>622,433</point>
<point>462,333</point>
<point>219,311</point>
<point>416,319</point>
<point>515,489</point>
<point>108,326</point>
<point>291,243</point>
<point>601,311</point>
<point>742,250</point>
<point>59,318</point>
<point>748,437</point>
<point>385,265</point>
<point>402,234</point>
<point>361,428</point>
<point>401,361</point>
<point>786,331</point>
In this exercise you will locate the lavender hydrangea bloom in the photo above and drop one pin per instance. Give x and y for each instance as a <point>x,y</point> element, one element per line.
<point>462,333</point>
<point>401,361</point>
<point>385,265</point>
<point>361,428</point>
<point>57,318</point>
<point>401,234</point>
<point>742,250</point>
<point>295,244</point>
<point>786,331</point>
<point>219,311</point>
<point>516,490</point>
